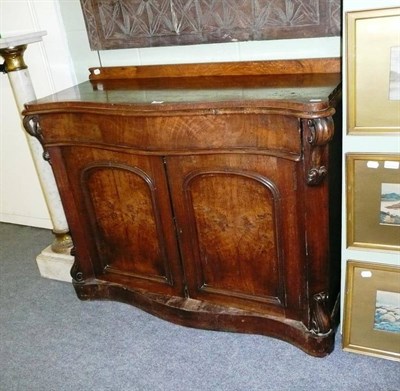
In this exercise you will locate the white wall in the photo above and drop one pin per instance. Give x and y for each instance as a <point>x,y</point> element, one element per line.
<point>255,50</point>
<point>260,50</point>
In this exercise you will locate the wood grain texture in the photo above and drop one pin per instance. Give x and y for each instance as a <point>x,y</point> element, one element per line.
<point>213,213</point>
<point>305,89</point>
<point>235,211</point>
<point>275,67</point>
<point>143,23</point>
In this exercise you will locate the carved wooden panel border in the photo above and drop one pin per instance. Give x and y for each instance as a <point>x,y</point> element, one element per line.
<point>117,24</point>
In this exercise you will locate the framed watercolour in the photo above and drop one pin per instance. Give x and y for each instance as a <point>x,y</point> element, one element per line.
<point>373,71</point>
<point>372,310</point>
<point>373,201</point>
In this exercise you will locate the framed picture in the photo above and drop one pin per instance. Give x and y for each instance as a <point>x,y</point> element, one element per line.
<point>373,71</point>
<point>373,201</point>
<point>372,310</point>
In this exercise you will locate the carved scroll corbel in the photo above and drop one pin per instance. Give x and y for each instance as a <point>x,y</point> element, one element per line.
<point>32,126</point>
<point>320,315</point>
<point>317,133</point>
<point>75,272</point>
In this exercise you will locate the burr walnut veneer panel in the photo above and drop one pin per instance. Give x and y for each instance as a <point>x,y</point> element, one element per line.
<point>210,200</point>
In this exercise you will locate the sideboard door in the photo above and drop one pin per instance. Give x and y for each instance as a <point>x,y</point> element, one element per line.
<point>124,218</point>
<point>238,226</point>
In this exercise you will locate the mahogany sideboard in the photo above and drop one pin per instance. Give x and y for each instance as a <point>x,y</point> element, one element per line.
<point>206,194</point>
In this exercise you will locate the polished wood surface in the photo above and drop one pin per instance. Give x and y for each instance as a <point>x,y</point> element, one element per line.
<point>300,85</point>
<point>224,69</point>
<point>218,207</point>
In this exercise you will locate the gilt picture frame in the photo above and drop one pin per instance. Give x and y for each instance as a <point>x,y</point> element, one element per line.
<point>373,201</point>
<point>373,71</point>
<point>372,310</point>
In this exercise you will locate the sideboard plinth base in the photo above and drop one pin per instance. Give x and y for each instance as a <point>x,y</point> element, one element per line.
<point>203,315</point>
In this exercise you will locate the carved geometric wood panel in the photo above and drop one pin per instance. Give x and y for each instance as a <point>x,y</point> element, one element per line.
<point>113,24</point>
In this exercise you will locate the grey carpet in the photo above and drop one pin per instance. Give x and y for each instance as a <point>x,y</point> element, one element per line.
<point>52,341</point>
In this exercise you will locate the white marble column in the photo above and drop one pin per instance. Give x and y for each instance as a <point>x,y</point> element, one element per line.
<point>55,260</point>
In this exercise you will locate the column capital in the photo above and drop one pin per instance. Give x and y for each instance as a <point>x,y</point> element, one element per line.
<point>14,58</point>
<point>12,49</point>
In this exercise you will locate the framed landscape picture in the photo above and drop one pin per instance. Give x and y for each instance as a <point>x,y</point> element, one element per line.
<point>373,201</point>
<point>390,204</point>
<point>373,71</point>
<point>372,310</point>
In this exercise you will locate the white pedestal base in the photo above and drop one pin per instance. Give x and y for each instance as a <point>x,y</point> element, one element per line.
<point>55,266</point>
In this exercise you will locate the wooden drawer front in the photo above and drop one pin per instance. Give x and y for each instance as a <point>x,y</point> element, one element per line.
<point>272,134</point>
